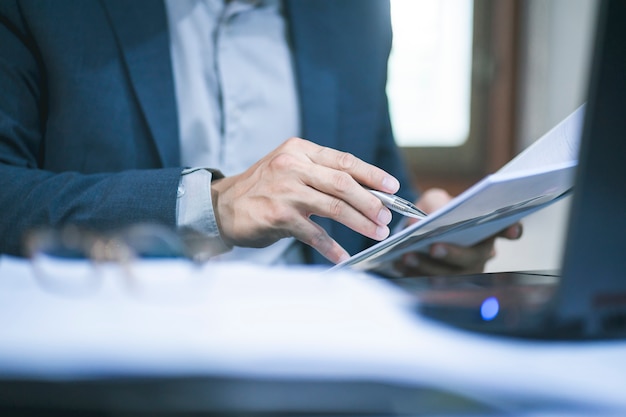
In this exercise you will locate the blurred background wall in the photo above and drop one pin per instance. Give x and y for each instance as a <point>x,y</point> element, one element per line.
<point>555,45</point>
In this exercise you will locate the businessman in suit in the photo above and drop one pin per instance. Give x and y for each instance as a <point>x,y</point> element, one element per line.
<point>178,113</point>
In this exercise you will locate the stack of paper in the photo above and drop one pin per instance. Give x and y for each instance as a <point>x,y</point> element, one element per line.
<point>350,335</point>
<point>536,178</point>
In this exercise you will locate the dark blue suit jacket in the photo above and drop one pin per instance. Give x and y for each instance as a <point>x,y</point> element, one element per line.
<point>88,124</point>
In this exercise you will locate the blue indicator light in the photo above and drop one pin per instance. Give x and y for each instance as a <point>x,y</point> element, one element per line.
<point>489,308</point>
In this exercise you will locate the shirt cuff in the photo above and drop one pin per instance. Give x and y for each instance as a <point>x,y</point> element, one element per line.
<point>195,217</point>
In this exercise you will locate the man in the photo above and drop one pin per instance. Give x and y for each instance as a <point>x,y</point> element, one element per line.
<point>114,113</point>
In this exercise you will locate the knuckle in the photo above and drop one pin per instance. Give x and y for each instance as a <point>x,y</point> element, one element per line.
<point>282,216</point>
<point>316,240</point>
<point>342,182</point>
<point>320,241</point>
<point>283,161</point>
<point>346,161</point>
<point>336,208</point>
<point>294,142</point>
<point>374,205</point>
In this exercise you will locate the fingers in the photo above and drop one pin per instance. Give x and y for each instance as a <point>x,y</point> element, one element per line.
<point>336,192</point>
<point>513,232</point>
<point>345,201</point>
<point>446,259</point>
<point>419,264</point>
<point>312,202</point>
<point>362,172</point>
<point>433,199</point>
<point>275,198</point>
<point>465,259</point>
<point>315,236</point>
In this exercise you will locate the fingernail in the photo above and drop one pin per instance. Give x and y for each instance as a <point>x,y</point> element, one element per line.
<point>391,184</point>
<point>384,216</point>
<point>515,232</point>
<point>382,232</point>
<point>439,251</point>
<point>343,257</point>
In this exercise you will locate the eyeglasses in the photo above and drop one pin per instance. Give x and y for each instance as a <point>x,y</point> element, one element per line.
<point>152,261</point>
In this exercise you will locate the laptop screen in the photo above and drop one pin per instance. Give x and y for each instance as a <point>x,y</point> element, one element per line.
<point>593,287</point>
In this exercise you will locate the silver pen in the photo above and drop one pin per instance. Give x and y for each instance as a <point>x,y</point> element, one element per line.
<point>399,205</point>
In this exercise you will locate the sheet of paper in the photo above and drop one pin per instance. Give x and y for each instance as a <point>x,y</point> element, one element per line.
<point>537,177</point>
<point>558,146</point>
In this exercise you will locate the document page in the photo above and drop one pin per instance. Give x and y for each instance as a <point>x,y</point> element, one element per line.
<point>559,145</point>
<point>539,176</point>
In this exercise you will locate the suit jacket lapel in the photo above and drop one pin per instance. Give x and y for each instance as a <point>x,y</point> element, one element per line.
<point>311,37</point>
<point>141,30</point>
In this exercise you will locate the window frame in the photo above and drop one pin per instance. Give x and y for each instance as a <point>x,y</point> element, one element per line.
<point>491,138</point>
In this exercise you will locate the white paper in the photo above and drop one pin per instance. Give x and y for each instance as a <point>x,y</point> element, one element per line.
<point>558,146</point>
<point>537,177</point>
<point>295,324</point>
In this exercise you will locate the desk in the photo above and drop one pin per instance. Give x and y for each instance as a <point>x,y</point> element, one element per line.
<point>277,340</point>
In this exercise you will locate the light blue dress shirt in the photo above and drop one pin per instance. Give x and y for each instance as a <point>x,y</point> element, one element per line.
<point>236,100</point>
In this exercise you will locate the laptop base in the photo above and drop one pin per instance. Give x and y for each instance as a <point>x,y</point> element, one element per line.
<point>515,304</point>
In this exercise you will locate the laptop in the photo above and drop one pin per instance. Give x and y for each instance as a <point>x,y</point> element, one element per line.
<point>586,297</point>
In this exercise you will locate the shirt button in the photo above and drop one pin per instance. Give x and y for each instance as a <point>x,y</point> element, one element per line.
<point>181,191</point>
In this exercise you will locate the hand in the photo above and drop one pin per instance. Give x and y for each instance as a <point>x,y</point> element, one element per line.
<point>448,259</point>
<point>275,198</point>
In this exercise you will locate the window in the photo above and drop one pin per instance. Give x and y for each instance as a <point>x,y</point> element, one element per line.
<point>451,87</point>
<point>430,71</point>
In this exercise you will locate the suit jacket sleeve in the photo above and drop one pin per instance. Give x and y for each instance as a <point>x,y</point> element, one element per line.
<point>59,162</point>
